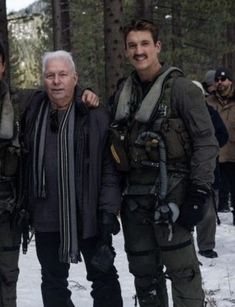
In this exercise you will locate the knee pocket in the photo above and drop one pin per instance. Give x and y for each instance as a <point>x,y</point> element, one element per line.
<point>183,276</point>
<point>144,263</point>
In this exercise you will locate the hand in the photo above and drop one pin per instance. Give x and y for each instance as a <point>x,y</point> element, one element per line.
<point>104,256</point>
<point>191,212</point>
<point>108,225</point>
<point>90,99</point>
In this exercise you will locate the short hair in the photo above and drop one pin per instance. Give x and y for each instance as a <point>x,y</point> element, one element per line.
<point>2,52</point>
<point>141,25</point>
<point>59,54</point>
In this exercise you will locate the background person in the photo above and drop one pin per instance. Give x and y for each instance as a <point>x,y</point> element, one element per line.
<point>223,100</point>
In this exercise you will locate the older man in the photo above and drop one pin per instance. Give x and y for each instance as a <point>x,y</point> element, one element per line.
<point>72,189</point>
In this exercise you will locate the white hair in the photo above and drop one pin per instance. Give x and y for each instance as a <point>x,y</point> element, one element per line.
<point>59,54</point>
<point>199,85</point>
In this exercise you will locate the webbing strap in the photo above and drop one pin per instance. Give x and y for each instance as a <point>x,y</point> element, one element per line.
<point>140,253</point>
<point>149,102</point>
<point>177,246</point>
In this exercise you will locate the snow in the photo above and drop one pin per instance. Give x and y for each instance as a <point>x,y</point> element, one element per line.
<point>218,274</point>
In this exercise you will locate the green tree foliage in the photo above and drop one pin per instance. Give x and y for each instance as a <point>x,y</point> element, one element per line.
<point>87,42</point>
<point>195,35</point>
<point>4,35</point>
<point>197,39</point>
<point>28,40</point>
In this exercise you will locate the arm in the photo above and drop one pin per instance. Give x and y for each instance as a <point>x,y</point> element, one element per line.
<point>221,132</point>
<point>110,193</point>
<point>191,107</point>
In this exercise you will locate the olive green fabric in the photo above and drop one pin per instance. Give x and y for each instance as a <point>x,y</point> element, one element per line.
<point>144,258</point>
<point>9,236</point>
<point>183,121</point>
<point>9,256</point>
<point>146,245</point>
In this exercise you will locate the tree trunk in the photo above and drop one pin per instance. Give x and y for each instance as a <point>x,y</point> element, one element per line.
<point>176,34</point>
<point>4,35</point>
<point>229,57</point>
<point>144,9</point>
<point>61,24</point>
<point>113,43</point>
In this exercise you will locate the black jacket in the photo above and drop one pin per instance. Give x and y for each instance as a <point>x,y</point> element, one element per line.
<point>221,135</point>
<point>97,183</point>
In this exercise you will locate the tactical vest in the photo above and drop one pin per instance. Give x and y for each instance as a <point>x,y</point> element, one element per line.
<point>155,124</point>
<point>9,154</point>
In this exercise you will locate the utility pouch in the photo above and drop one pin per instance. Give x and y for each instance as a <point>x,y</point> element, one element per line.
<point>8,161</point>
<point>177,188</point>
<point>176,139</point>
<point>117,147</point>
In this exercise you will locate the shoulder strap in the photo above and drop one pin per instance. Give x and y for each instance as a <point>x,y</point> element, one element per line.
<point>153,97</point>
<point>150,101</point>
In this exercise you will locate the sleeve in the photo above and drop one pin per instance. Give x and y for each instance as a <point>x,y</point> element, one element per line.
<point>189,102</point>
<point>221,132</point>
<point>110,192</point>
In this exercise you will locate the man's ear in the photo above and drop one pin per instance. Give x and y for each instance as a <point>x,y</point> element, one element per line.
<point>76,78</point>
<point>158,45</point>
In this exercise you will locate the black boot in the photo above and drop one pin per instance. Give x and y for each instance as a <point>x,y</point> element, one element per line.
<point>233,212</point>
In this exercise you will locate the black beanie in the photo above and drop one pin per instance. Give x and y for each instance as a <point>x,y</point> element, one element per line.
<point>223,72</point>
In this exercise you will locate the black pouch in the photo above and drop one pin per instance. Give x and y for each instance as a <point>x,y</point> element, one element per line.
<point>117,147</point>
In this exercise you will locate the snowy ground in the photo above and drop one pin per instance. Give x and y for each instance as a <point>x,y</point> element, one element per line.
<point>218,274</point>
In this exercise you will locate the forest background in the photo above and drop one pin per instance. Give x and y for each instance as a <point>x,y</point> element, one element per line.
<point>196,36</point>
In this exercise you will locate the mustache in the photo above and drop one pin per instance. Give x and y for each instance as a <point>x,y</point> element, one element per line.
<point>136,56</point>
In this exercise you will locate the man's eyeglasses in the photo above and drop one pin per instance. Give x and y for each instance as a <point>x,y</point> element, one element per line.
<point>220,79</point>
<point>54,121</point>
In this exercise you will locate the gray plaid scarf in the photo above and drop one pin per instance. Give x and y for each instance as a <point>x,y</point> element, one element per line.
<point>68,251</point>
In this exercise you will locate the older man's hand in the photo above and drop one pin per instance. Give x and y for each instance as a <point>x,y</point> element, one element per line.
<point>90,99</point>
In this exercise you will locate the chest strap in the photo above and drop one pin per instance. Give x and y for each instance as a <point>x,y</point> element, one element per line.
<point>149,102</point>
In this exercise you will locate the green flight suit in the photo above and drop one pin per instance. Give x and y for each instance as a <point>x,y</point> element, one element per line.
<point>9,235</point>
<point>191,150</point>
<point>9,256</point>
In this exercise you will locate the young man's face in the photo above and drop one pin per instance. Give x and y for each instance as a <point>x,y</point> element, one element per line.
<point>59,82</point>
<point>2,68</point>
<point>141,50</point>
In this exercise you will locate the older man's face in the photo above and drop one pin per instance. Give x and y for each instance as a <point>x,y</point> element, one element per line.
<point>59,82</point>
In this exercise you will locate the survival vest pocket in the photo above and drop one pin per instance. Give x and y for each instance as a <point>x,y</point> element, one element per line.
<point>117,146</point>
<point>176,139</point>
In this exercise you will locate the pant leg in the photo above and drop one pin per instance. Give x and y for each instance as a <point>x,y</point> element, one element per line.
<point>229,171</point>
<point>224,188</point>
<point>9,257</point>
<point>144,258</point>
<point>106,290</point>
<point>206,229</point>
<point>54,285</point>
<point>182,266</point>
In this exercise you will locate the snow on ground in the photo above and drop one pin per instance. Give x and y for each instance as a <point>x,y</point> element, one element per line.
<point>218,274</point>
